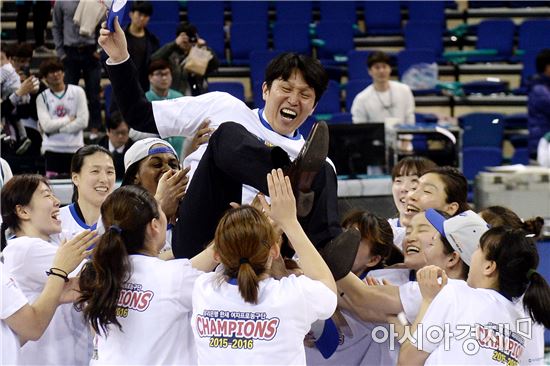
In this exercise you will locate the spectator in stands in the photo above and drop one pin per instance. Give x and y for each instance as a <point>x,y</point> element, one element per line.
<point>160,78</point>
<point>538,105</point>
<point>62,116</point>
<point>79,56</point>
<point>17,88</point>
<point>384,100</point>
<point>177,52</point>
<point>41,11</point>
<point>117,141</point>
<point>141,42</point>
<point>21,110</point>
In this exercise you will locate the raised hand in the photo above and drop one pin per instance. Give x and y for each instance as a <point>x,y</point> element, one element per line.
<point>113,43</point>
<point>171,189</point>
<point>431,279</point>
<point>283,204</point>
<point>72,252</point>
<point>201,136</point>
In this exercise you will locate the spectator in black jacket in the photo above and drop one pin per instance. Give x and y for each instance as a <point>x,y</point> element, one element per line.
<point>177,52</point>
<point>141,42</point>
<point>117,141</point>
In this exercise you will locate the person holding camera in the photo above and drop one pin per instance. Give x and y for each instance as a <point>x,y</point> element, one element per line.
<point>190,59</point>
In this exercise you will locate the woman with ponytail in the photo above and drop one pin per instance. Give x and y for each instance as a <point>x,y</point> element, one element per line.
<point>30,212</point>
<point>480,321</point>
<point>242,314</point>
<point>133,300</point>
<point>501,216</point>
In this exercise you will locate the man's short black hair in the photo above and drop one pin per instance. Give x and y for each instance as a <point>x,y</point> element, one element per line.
<point>23,50</point>
<point>286,63</point>
<point>115,120</point>
<point>50,65</point>
<point>378,57</point>
<point>159,64</point>
<point>189,29</point>
<point>543,60</point>
<point>144,7</point>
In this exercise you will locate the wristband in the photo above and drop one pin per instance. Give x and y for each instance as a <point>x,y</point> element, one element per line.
<point>54,271</point>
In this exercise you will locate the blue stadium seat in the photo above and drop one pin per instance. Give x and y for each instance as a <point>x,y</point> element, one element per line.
<point>487,4</point>
<point>293,11</point>
<point>258,63</point>
<point>330,101</point>
<point>245,38</point>
<point>476,159</point>
<point>424,35</point>
<point>335,118</point>
<point>214,35</point>
<point>528,60</point>
<point>234,88</point>
<point>292,37</point>
<point>533,34</point>
<point>257,94</point>
<point>382,17</point>
<point>165,11</point>
<point>338,11</point>
<point>357,65</point>
<point>495,34</point>
<point>354,87</point>
<point>420,11</point>
<point>338,40</point>
<point>485,87</point>
<point>108,95</point>
<point>482,129</point>
<point>205,12</point>
<point>247,11</point>
<point>165,31</point>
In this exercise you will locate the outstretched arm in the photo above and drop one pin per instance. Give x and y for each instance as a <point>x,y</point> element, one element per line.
<point>130,98</point>
<point>30,322</point>
<point>283,213</point>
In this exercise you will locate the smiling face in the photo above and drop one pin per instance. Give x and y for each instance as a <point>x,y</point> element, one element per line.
<point>434,251</point>
<point>43,212</point>
<point>430,193</point>
<point>288,103</point>
<point>420,233</point>
<point>153,167</point>
<point>401,186</point>
<point>96,178</point>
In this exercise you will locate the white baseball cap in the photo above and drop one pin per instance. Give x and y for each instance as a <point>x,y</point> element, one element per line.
<point>463,231</point>
<point>143,148</point>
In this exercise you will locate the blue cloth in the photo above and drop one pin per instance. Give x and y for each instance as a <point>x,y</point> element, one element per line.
<point>538,108</point>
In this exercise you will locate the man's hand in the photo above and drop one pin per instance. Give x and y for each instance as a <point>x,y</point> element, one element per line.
<point>201,137</point>
<point>113,43</point>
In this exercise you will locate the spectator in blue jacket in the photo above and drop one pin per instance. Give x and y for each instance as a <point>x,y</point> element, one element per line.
<point>539,102</point>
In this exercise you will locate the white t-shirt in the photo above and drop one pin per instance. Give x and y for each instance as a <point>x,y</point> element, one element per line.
<point>54,118</point>
<point>361,349</point>
<point>398,232</point>
<point>372,106</point>
<point>27,259</point>
<point>9,80</point>
<point>154,310</point>
<point>534,346</point>
<point>182,117</point>
<point>229,330</point>
<point>411,299</point>
<point>12,299</point>
<point>467,328</point>
<point>71,224</point>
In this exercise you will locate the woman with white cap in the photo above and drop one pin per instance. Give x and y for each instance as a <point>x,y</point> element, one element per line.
<point>478,322</point>
<point>153,164</point>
